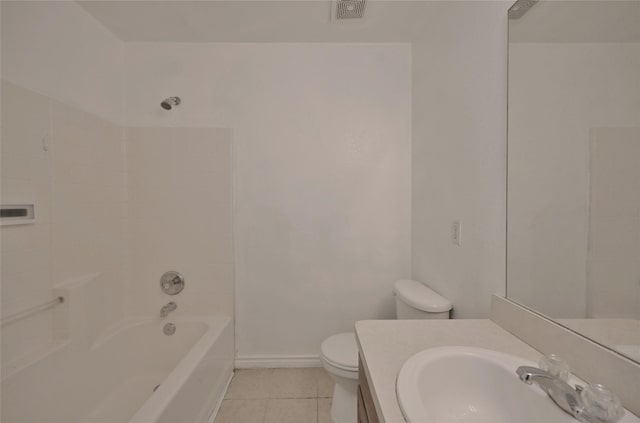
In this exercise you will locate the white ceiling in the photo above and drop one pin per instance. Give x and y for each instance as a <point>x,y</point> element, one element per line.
<point>257,21</point>
<point>603,21</point>
<point>385,20</point>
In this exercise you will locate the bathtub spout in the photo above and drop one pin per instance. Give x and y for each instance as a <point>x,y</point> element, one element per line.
<point>168,308</point>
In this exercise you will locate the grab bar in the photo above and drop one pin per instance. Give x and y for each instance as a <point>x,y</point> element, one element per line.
<point>31,310</point>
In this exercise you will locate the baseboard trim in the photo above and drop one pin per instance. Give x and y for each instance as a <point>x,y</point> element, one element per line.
<point>277,362</point>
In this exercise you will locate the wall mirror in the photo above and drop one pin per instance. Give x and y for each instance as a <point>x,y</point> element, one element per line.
<point>573,219</point>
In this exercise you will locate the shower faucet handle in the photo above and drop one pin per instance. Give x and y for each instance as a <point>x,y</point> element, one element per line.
<point>172,283</point>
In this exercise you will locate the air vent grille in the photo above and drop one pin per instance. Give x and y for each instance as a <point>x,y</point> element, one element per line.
<point>521,7</point>
<point>350,9</point>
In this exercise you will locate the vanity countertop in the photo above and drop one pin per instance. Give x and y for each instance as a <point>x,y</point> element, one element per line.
<point>386,344</point>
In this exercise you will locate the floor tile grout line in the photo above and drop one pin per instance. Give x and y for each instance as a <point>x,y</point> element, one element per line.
<point>264,415</point>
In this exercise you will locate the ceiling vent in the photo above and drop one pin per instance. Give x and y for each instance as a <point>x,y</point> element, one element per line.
<point>344,10</point>
<point>521,7</point>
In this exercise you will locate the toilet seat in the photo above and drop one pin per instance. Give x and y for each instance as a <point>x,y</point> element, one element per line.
<point>341,351</point>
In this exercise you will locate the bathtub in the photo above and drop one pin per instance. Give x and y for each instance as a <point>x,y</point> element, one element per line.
<point>133,374</point>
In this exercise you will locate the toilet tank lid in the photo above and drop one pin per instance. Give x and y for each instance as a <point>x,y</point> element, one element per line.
<point>418,295</point>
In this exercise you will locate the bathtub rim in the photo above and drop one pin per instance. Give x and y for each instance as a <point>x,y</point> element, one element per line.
<point>155,405</point>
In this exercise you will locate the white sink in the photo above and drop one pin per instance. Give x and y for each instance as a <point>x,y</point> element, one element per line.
<point>473,385</point>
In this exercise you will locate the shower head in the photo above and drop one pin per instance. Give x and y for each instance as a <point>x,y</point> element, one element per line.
<point>168,103</point>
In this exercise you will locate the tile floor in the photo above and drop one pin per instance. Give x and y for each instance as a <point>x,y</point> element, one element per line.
<point>278,396</point>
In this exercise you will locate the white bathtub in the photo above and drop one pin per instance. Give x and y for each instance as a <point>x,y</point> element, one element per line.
<point>113,379</point>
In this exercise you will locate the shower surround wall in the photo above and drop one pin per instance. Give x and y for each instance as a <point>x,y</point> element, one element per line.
<point>322,143</point>
<point>79,191</point>
<point>180,218</point>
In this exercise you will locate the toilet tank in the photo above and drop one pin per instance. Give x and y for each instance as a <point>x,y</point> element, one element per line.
<point>415,300</point>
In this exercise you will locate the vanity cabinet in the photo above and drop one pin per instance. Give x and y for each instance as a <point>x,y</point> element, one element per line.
<point>366,407</point>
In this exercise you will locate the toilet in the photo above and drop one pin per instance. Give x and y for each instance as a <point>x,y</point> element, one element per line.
<point>339,356</point>
<point>339,353</point>
<point>415,301</point>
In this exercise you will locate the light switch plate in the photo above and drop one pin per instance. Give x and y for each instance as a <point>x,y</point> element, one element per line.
<point>456,233</point>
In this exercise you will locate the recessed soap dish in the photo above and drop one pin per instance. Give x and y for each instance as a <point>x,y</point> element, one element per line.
<point>18,214</point>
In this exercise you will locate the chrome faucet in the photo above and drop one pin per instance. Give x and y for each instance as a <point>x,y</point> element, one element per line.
<point>560,391</point>
<point>593,404</point>
<point>168,308</point>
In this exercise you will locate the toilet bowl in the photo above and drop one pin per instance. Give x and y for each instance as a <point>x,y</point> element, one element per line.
<point>339,353</point>
<point>339,356</point>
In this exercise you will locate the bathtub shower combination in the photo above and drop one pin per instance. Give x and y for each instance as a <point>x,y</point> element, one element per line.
<point>137,372</point>
<point>95,327</point>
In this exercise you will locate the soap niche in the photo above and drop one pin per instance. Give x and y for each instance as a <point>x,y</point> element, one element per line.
<point>17,214</point>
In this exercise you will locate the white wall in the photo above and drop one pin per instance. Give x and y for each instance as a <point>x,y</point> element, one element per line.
<point>322,178</point>
<point>180,218</point>
<point>57,49</point>
<point>458,155</point>
<point>613,268</point>
<point>558,92</point>
<point>62,88</point>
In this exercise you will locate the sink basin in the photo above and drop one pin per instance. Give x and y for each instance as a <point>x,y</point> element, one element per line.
<point>473,385</point>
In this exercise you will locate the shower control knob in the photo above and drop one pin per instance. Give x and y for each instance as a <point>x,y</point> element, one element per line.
<point>172,283</point>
